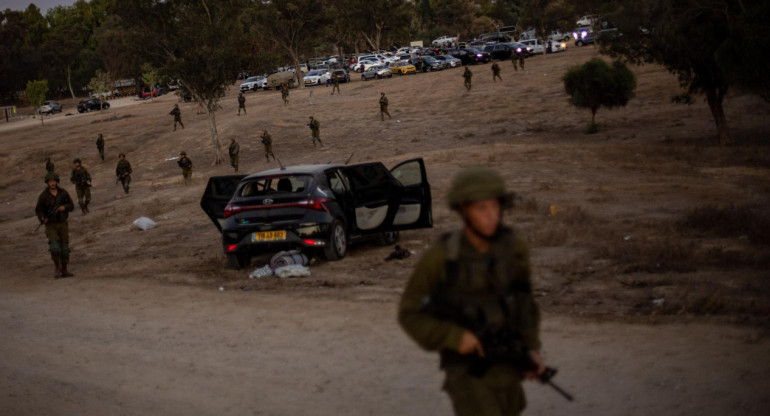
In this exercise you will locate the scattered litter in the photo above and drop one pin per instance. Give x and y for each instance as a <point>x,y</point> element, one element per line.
<point>221,288</point>
<point>658,302</point>
<point>398,121</point>
<point>288,258</point>
<point>144,223</point>
<point>293,270</point>
<point>398,254</point>
<point>554,210</point>
<point>626,238</point>
<point>261,272</point>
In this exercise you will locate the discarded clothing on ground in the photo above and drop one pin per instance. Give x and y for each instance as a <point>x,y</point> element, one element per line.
<point>292,270</point>
<point>288,258</point>
<point>398,254</point>
<point>144,223</point>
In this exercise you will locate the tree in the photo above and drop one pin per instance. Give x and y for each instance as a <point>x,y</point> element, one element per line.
<point>547,15</point>
<point>709,44</point>
<point>150,77</point>
<point>99,84</point>
<point>597,84</point>
<point>372,18</point>
<point>35,92</point>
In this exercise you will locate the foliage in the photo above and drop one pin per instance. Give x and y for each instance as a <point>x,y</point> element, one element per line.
<point>36,92</point>
<point>597,84</point>
<point>150,77</point>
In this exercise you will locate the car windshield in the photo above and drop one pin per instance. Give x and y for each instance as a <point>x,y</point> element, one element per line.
<point>252,79</point>
<point>276,184</point>
<point>313,73</point>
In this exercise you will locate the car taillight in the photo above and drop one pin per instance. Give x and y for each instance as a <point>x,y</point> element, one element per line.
<point>231,209</point>
<point>316,204</point>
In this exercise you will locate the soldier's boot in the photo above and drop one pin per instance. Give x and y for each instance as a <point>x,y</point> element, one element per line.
<point>57,269</point>
<point>88,201</point>
<point>64,271</point>
<point>83,209</point>
<point>320,142</point>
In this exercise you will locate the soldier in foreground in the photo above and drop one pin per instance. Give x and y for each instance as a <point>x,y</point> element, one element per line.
<point>470,298</point>
<point>384,107</point>
<point>123,172</point>
<point>267,141</point>
<point>336,83</point>
<point>496,72</point>
<point>186,164</point>
<point>315,130</point>
<point>285,93</point>
<point>467,75</point>
<point>53,206</point>
<point>49,167</point>
<point>177,116</point>
<point>82,180</point>
<point>100,146</point>
<point>241,104</point>
<point>234,151</point>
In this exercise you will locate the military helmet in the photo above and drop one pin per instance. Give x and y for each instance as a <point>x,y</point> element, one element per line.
<point>183,153</point>
<point>475,184</point>
<point>51,175</point>
<point>122,154</point>
<point>77,160</point>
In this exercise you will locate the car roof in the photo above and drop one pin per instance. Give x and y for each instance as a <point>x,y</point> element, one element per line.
<point>294,170</point>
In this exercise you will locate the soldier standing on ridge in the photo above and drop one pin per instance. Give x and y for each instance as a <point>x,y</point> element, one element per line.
<point>467,75</point>
<point>496,72</point>
<point>49,167</point>
<point>241,104</point>
<point>53,206</point>
<point>267,141</point>
<point>100,146</point>
<point>82,180</point>
<point>336,81</point>
<point>234,151</point>
<point>177,116</point>
<point>384,107</point>
<point>315,129</point>
<point>285,93</point>
<point>186,164</point>
<point>123,171</point>
<point>521,60</point>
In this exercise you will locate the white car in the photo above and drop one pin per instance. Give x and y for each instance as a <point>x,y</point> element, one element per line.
<point>253,84</point>
<point>444,40</point>
<point>317,77</point>
<point>50,107</point>
<point>587,20</point>
<point>536,46</point>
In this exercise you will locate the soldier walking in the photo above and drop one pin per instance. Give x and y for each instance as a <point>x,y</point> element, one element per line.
<point>285,93</point>
<point>480,277</point>
<point>53,206</point>
<point>123,172</point>
<point>82,180</point>
<point>384,107</point>
<point>336,82</point>
<point>521,60</point>
<point>467,75</point>
<point>315,130</point>
<point>267,141</point>
<point>241,104</point>
<point>49,167</point>
<point>234,151</point>
<point>186,164</point>
<point>514,61</point>
<point>177,116</point>
<point>496,72</point>
<point>100,146</point>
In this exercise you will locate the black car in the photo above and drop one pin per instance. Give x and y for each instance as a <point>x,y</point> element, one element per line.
<point>92,104</point>
<point>316,207</point>
<point>501,52</point>
<point>478,55</point>
<point>430,63</point>
<point>463,55</point>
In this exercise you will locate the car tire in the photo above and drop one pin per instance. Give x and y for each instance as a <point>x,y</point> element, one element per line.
<point>238,261</point>
<point>105,106</point>
<point>579,43</point>
<point>387,238</point>
<point>337,246</point>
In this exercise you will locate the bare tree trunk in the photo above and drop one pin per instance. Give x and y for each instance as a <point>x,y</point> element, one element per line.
<point>297,69</point>
<point>69,81</point>
<point>715,98</point>
<point>210,108</point>
<point>41,117</point>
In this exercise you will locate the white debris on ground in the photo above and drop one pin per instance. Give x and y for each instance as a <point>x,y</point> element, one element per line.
<point>144,223</point>
<point>294,270</point>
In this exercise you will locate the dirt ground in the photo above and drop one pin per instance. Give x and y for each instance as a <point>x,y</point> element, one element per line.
<point>649,246</point>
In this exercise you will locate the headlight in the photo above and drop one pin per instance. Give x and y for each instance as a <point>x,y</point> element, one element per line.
<point>583,34</point>
<point>518,50</point>
<point>575,35</point>
<point>563,45</point>
<point>478,55</point>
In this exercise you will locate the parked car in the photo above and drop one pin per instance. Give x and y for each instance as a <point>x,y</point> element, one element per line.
<point>92,104</point>
<point>430,63</point>
<point>449,61</point>
<point>147,93</point>
<point>444,41</point>
<point>583,36</point>
<point>521,48</point>
<point>317,77</point>
<point>402,68</point>
<point>279,78</point>
<point>478,56</point>
<point>343,75</point>
<point>501,51</point>
<point>253,84</point>
<point>50,107</point>
<point>534,44</point>
<point>463,55</point>
<point>587,20</point>
<point>380,71</point>
<point>316,207</point>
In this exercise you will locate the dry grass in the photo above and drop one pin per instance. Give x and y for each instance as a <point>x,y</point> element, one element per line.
<point>729,221</point>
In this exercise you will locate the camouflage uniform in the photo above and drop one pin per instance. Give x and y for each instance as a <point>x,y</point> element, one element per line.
<point>315,129</point>
<point>285,93</point>
<point>82,180</point>
<point>100,146</point>
<point>123,172</point>
<point>521,61</point>
<point>384,107</point>
<point>234,151</point>
<point>241,104</point>
<point>336,82</point>
<point>56,228</point>
<point>186,164</point>
<point>267,141</point>
<point>467,75</point>
<point>496,72</point>
<point>177,116</point>
<point>515,60</point>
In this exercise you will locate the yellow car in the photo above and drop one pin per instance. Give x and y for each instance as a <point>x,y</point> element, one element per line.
<point>402,68</point>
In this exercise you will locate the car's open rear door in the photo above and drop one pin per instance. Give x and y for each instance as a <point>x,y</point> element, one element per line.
<point>414,208</point>
<point>218,192</point>
<point>375,196</point>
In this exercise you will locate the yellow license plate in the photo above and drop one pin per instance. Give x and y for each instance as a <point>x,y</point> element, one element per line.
<point>268,236</point>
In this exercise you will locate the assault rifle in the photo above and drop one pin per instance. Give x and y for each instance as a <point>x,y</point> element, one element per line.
<point>50,214</point>
<point>500,346</point>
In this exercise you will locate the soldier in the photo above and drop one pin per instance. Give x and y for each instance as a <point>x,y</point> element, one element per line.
<point>82,180</point>
<point>177,116</point>
<point>241,104</point>
<point>49,167</point>
<point>467,75</point>
<point>267,141</point>
<point>384,107</point>
<point>521,60</point>
<point>482,274</point>
<point>515,60</point>
<point>100,146</point>
<point>285,93</point>
<point>496,72</point>
<point>315,130</point>
<point>53,206</point>
<point>123,172</point>
<point>336,82</point>
<point>186,164</point>
<point>234,150</point>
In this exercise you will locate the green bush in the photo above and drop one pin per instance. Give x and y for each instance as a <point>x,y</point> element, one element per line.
<point>597,84</point>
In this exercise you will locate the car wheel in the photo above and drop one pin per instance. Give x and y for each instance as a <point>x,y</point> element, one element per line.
<point>387,238</point>
<point>106,106</point>
<point>579,43</point>
<point>238,261</point>
<point>337,246</point>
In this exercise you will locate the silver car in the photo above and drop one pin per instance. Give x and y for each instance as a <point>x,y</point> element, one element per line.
<point>379,71</point>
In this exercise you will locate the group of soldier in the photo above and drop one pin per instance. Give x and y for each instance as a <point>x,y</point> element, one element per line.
<point>516,59</point>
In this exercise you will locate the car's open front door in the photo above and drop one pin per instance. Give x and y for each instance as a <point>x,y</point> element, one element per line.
<point>414,208</point>
<point>218,192</point>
